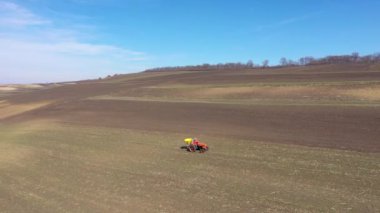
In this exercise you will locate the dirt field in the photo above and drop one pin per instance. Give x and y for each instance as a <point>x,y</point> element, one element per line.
<point>54,167</point>
<point>332,106</point>
<point>302,139</point>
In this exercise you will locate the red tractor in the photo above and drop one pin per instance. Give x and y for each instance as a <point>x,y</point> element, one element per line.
<point>194,145</point>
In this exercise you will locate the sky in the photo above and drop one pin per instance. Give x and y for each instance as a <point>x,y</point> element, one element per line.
<point>62,40</point>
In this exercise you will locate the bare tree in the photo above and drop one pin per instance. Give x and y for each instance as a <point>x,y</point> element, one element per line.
<point>355,57</point>
<point>292,63</point>
<point>283,61</point>
<point>250,64</point>
<point>265,63</point>
<point>304,61</point>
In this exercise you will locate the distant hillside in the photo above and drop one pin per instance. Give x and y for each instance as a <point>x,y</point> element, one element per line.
<point>354,58</point>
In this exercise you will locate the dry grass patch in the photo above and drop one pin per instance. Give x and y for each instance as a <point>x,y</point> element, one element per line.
<point>356,92</point>
<point>258,91</point>
<point>30,86</point>
<point>14,87</point>
<point>367,93</point>
<point>7,88</point>
<point>7,109</point>
<point>11,155</point>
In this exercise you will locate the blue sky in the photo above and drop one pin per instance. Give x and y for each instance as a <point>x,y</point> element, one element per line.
<point>51,40</point>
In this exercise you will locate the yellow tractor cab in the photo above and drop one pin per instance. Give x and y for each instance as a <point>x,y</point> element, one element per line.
<point>188,141</point>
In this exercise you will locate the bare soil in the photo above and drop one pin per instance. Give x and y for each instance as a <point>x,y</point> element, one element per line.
<point>341,126</point>
<point>113,145</point>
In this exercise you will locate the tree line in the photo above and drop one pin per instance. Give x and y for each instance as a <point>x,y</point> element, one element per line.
<point>284,62</point>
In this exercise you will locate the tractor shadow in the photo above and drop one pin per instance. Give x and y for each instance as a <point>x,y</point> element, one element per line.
<point>186,148</point>
<point>183,147</point>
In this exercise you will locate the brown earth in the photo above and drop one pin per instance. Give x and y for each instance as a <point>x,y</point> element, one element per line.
<point>113,145</point>
<point>333,126</point>
<point>354,128</point>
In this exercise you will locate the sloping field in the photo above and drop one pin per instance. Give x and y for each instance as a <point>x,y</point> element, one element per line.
<point>50,167</point>
<point>301,139</point>
<point>9,110</point>
<point>333,106</point>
